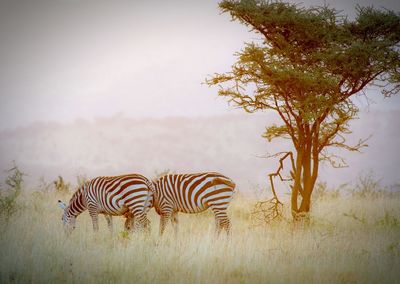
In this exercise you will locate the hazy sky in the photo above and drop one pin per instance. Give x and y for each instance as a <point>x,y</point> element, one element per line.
<point>60,60</point>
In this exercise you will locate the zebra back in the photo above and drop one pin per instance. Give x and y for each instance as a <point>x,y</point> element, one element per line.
<point>191,193</point>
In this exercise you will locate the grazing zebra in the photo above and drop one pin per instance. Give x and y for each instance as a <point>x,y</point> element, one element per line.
<point>112,196</point>
<point>193,193</point>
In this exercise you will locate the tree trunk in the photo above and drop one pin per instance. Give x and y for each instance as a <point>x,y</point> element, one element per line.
<point>303,184</point>
<point>296,187</point>
<point>302,212</point>
<point>305,204</point>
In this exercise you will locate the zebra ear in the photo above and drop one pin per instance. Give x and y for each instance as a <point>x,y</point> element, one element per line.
<point>62,204</point>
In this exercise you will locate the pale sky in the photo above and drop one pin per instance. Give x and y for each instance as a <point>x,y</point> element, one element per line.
<point>66,59</point>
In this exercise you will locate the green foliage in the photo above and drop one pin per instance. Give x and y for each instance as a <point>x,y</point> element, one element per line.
<point>310,63</point>
<point>10,194</point>
<point>124,235</point>
<point>274,131</point>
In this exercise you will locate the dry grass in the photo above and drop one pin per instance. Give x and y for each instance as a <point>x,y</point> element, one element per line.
<point>350,240</point>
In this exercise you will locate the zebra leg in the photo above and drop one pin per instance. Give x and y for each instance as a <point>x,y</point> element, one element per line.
<point>222,221</point>
<point>109,222</point>
<point>174,221</point>
<point>95,218</point>
<point>145,224</point>
<point>226,224</point>
<point>129,220</point>
<point>164,218</point>
<point>217,227</point>
<point>128,225</point>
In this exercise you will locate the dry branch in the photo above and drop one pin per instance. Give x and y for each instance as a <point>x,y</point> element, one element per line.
<point>266,211</point>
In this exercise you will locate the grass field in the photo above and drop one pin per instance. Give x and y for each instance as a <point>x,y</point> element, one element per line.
<point>351,239</point>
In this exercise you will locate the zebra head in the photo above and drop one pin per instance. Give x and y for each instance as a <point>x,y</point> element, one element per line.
<point>76,205</point>
<point>67,219</point>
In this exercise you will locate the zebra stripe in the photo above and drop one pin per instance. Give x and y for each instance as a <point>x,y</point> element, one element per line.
<point>111,196</point>
<point>193,193</point>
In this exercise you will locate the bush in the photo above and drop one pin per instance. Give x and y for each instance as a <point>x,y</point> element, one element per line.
<point>369,185</point>
<point>321,191</point>
<point>389,220</point>
<point>61,186</point>
<point>10,194</point>
<point>44,186</point>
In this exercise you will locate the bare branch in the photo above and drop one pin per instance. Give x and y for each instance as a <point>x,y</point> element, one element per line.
<point>334,160</point>
<point>266,211</point>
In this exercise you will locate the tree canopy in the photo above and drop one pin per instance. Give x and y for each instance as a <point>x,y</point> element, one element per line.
<point>307,67</point>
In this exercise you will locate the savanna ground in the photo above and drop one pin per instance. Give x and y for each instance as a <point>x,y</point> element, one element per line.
<point>353,237</point>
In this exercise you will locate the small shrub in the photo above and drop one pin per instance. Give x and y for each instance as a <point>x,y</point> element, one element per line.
<point>353,215</point>
<point>368,186</point>
<point>61,186</point>
<point>44,186</point>
<point>10,194</point>
<point>389,221</point>
<point>124,235</point>
<point>321,191</point>
<point>394,249</point>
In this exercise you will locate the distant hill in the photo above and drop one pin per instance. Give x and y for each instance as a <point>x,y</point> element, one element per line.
<point>229,144</point>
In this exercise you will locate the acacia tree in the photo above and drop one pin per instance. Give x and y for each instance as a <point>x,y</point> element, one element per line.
<point>308,67</point>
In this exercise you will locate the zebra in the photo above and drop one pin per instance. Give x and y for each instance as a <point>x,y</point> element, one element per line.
<point>127,195</point>
<point>192,193</point>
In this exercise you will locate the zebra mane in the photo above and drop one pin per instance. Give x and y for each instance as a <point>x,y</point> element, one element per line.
<point>79,192</point>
